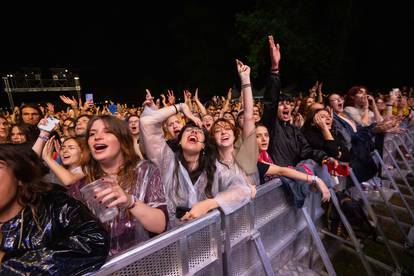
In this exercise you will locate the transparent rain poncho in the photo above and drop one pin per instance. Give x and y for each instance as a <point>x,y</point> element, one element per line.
<point>229,189</point>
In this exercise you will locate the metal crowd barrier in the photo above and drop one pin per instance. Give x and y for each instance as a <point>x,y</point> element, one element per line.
<point>258,239</point>
<point>190,249</point>
<point>264,235</point>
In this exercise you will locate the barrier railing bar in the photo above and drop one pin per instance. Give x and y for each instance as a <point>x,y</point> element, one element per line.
<point>408,166</point>
<point>145,249</point>
<point>267,187</point>
<point>262,253</point>
<point>183,255</point>
<point>351,233</point>
<point>395,164</point>
<point>311,198</point>
<point>409,138</point>
<point>405,148</point>
<point>391,211</point>
<point>378,158</point>
<point>317,240</point>
<point>375,219</point>
<point>371,260</point>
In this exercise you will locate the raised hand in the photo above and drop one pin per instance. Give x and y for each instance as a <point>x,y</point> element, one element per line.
<point>163,99</point>
<point>187,96</point>
<point>87,104</point>
<point>229,94</point>
<point>244,71</point>
<point>149,100</point>
<point>47,152</point>
<point>313,89</point>
<point>171,97</point>
<point>274,53</point>
<point>187,112</point>
<point>195,98</point>
<point>72,102</point>
<point>51,108</point>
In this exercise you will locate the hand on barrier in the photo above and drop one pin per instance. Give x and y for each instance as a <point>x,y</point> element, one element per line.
<point>326,195</point>
<point>199,209</point>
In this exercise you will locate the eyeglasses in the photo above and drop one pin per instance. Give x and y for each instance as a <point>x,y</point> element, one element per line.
<point>195,129</point>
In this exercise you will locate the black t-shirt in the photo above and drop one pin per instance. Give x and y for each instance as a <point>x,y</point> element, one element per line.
<point>263,168</point>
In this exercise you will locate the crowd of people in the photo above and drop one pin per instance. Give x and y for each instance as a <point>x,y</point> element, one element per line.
<point>167,163</point>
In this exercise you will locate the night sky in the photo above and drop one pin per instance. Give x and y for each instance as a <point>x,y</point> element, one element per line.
<point>118,50</point>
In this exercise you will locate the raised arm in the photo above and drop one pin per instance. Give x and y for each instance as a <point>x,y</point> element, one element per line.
<point>201,107</point>
<point>272,92</point>
<point>64,175</point>
<point>246,89</point>
<point>151,129</point>
<point>226,105</point>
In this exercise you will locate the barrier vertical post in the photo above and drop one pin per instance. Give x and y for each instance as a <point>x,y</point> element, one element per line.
<point>395,164</point>
<point>351,233</point>
<point>378,159</point>
<point>321,249</point>
<point>409,168</point>
<point>374,218</point>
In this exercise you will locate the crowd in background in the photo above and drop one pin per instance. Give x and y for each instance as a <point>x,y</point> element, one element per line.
<point>168,162</point>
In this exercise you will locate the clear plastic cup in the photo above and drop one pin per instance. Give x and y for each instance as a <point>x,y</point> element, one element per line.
<point>98,209</point>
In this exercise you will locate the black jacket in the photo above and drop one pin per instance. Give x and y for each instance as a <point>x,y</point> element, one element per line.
<point>287,145</point>
<point>67,240</point>
<point>336,148</point>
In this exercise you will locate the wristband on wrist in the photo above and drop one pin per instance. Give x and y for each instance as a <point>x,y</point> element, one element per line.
<point>314,179</point>
<point>246,85</point>
<point>44,138</point>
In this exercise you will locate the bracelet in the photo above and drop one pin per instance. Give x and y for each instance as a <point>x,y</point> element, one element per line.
<point>176,110</point>
<point>132,205</point>
<point>44,138</point>
<point>246,85</point>
<point>314,179</point>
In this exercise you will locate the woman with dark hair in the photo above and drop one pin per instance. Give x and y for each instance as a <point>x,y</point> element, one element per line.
<point>135,189</point>
<point>81,124</point>
<point>23,133</point>
<point>71,153</point>
<point>43,230</point>
<point>190,178</point>
<point>268,170</point>
<point>133,124</point>
<point>4,130</point>
<point>321,134</point>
